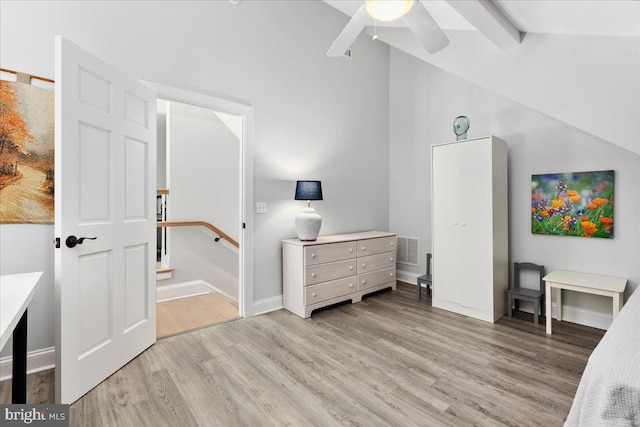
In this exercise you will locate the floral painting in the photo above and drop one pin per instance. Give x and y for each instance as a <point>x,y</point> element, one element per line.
<point>573,204</point>
<point>26,154</point>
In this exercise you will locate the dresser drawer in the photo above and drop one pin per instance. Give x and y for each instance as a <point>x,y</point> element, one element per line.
<point>376,246</point>
<point>328,290</point>
<point>376,262</point>
<point>319,254</point>
<point>330,271</point>
<point>369,280</point>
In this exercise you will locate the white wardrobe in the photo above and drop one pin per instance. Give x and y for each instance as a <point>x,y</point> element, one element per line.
<point>470,227</point>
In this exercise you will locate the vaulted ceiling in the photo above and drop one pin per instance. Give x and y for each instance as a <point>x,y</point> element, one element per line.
<point>577,61</point>
<point>590,17</point>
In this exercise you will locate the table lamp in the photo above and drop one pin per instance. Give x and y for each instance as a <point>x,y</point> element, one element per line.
<point>308,222</point>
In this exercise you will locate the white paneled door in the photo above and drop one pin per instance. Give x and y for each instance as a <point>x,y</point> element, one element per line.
<point>105,180</point>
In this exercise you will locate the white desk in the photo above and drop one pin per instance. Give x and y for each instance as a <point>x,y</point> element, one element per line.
<point>582,282</point>
<point>16,293</point>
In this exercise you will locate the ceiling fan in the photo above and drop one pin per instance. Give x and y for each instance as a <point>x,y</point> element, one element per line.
<point>414,14</point>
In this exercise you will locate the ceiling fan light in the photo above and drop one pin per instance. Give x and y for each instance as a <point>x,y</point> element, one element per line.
<point>388,10</point>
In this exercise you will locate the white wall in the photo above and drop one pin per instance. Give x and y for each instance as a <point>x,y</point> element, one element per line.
<point>590,82</point>
<point>161,137</point>
<point>204,186</point>
<point>315,117</point>
<point>25,248</point>
<point>423,103</point>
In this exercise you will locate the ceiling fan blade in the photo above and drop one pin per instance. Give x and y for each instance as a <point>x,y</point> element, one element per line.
<point>349,33</point>
<point>426,29</point>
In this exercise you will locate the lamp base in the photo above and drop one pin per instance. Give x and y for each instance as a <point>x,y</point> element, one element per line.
<point>308,224</point>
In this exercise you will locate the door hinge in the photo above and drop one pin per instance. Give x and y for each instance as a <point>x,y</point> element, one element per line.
<point>57,242</point>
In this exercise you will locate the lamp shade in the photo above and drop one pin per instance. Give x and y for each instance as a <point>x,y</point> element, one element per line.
<point>308,190</point>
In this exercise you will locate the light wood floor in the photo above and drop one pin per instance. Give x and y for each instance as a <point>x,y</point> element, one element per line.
<point>388,360</point>
<point>187,314</point>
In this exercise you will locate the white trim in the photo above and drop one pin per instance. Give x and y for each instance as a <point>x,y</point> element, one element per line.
<point>163,276</point>
<point>188,289</point>
<point>584,317</point>
<point>407,276</point>
<point>593,319</point>
<point>268,304</point>
<point>245,110</point>
<point>218,291</point>
<point>181,290</point>
<point>37,360</point>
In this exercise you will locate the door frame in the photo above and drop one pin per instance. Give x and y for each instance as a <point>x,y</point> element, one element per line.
<point>170,93</point>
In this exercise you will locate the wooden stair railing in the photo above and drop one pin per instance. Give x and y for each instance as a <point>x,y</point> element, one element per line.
<point>205,224</point>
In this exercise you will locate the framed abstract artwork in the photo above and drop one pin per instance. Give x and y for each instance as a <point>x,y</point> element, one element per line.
<point>573,204</point>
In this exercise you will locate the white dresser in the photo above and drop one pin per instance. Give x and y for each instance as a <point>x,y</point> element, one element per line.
<point>336,268</point>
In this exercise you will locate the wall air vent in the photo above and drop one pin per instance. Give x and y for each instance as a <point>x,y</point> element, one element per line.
<point>408,250</point>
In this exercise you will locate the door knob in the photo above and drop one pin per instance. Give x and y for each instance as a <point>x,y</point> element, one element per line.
<point>72,241</point>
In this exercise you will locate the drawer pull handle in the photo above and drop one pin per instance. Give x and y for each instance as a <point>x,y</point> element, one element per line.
<point>391,243</point>
<point>350,249</point>
<point>313,274</point>
<point>351,267</point>
<point>313,255</point>
<point>390,259</point>
<point>363,265</point>
<point>351,285</point>
<point>364,249</point>
<point>313,295</point>
<point>364,282</point>
<point>391,274</point>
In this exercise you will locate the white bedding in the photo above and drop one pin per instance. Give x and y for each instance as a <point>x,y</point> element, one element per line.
<point>609,391</point>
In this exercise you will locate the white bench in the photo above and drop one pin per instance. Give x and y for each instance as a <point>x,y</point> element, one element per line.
<point>582,282</point>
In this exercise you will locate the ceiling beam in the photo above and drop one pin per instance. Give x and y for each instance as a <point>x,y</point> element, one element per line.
<point>489,20</point>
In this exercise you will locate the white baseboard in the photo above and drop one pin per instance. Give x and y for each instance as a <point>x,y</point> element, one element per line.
<point>37,360</point>
<point>407,277</point>
<point>268,304</point>
<point>221,292</point>
<point>593,319</point>
<point>188,289</point>
<point>584,317</point>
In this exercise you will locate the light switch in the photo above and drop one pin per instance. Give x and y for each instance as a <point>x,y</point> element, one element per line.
<point>261,207</point>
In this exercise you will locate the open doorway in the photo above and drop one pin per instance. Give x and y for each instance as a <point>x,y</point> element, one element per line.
<point>199,209</point>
